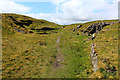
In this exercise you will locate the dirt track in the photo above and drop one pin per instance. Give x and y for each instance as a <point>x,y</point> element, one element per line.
<point>59,56</point>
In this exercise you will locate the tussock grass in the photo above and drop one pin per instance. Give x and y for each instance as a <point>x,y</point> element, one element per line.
<point>32,55</point>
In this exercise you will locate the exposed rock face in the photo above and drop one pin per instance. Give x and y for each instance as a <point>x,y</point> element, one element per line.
<point>95,28</point>
<point>94,57</point>
<point>21,22</point>
<point>79,26</point>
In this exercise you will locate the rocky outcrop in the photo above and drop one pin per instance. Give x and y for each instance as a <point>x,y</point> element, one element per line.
<point>94,57</point>
<point>95,28</point>
<point>21,23</point>
<point>79,26</point>
<point>91,38</point>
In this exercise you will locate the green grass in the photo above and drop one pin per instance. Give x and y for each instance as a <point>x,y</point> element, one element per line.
<point>33,55</point>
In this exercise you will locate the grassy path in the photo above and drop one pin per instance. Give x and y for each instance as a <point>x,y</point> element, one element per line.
<point>76,63</point>
<point>59,55</point>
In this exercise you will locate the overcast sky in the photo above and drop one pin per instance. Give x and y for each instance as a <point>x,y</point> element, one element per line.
<point>63,11</point>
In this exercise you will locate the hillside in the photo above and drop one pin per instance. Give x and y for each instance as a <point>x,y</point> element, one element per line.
<point>25,24</point>
<point>33,48</point>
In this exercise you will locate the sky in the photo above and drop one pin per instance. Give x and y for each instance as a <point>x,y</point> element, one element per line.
<point>63,11</point>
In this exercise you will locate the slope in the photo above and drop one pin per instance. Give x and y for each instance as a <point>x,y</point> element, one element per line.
<point>40,49</point>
